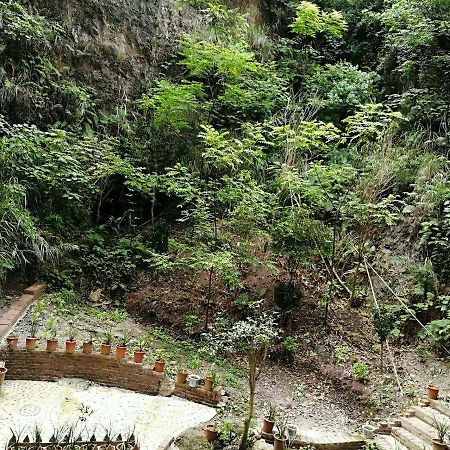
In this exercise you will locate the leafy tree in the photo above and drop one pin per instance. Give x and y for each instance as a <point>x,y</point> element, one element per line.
<point>208,59</point>
<point>415,57</point>
<point>300,239</point>
<point>177,106</point>
<point>311,20</point>
<point>50,183</point>
<point>361,222</point>
<point>21,240</point>
<point>382,323</point>
<point>340,88</point>
<point>222,203</point>
<point>252,338</point>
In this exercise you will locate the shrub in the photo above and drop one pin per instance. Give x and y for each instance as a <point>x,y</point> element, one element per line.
<point>360,372</point>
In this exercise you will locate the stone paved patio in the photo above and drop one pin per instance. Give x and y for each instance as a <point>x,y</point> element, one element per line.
<point>95,409</point>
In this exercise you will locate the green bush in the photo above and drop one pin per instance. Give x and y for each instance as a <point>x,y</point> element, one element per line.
<point>360,372</point>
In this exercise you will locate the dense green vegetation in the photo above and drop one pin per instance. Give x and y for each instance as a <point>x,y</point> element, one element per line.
<point>318,140</point>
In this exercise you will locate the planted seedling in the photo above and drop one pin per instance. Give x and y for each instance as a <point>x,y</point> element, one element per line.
<point>71,332</point>
<point>107,337</point>
<point>51,330</point>
<point>125,339</point>
<point>442,428</point>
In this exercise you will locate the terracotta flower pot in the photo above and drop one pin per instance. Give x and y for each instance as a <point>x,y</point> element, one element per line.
<point>12,342</point>
<point>182,376</point>
<point>438,445</point>
<point>52,344</point>
<point>268,426</point>
<point>208,384</point>
<point>278,443</point>
<point>121,351</point>
<point>159,366</point>
<point>138,356</point>
<point>88,347</point>
<point>71,346</point>
<point>31,343</point>
<point>105,349</point>
<point>211,433</point>
<point>432,392</point>
<point>3,371</point>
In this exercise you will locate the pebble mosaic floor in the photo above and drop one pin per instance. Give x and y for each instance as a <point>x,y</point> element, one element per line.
<point>95,410</point>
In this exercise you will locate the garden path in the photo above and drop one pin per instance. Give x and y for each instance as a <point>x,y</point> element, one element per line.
<point>95,409</point>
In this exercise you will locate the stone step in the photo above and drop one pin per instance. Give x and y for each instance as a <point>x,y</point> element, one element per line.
<point>421,429</point>
<point>388,442</point>
<point>440,406</point>
<point>429,415</point>
<point>336,440</point>
<point>409,440</point>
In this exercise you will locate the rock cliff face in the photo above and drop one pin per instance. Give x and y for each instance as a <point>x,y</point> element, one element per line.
<point>117,43</point>
<point>256,9</point>
<point>116,46</point>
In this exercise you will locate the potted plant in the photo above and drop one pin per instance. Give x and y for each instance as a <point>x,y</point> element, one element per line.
<point>280,437</point>
<point>160,362</point>
<point>139,351</point>
<point>432,392</point>
<point>71,342</point>
<point>52,342</point>
<point>269,418</point>
<point>106,343</point>
<point>291,434</point>
<point>211,380</point>
<point>442,428</point>
<point>182,375</point>
<point>192,380</point>
<point>11,341</point>
<point>88,346</point>
<point>35,320</point>
<point>211,433</point>
<point>369,430</point>
<point>121,348</point>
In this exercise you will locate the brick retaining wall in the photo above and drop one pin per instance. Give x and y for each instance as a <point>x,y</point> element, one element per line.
<point>199,394</point>
<point>40,365</point>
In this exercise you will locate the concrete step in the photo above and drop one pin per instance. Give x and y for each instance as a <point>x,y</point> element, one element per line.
<point>421,429</point>
<point>440,406</point>
<point>409,440</point>
<point>388,442</point>
<point>330,440</point>
<point>429,415</point>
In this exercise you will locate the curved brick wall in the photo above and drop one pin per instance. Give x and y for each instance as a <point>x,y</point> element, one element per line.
<point>198,394</point>
<point>41,365</point>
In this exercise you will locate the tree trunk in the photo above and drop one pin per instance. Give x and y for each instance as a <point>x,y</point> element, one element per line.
<point>330,275</point>
<point>327,302</point>
<point>247,422</point>
<point>152,208</point>
<point>208,297</point>
<point>252,376</point>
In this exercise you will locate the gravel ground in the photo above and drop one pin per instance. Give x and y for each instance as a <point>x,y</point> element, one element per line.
<point>85,321</point>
